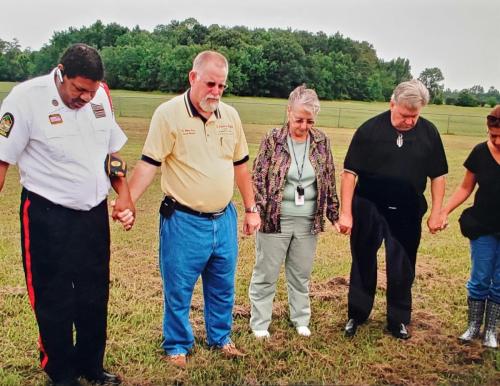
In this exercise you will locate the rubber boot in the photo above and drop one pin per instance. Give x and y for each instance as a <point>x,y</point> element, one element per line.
<point>476,312</point>
<point>491,323</point>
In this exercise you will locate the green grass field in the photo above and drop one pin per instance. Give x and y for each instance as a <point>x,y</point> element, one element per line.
<point>268,111</point>
<point>344,114</point>
<point>432,356</point>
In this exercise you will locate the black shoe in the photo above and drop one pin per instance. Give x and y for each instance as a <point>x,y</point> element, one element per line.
<point>399,331</point>
<point>104,378</point>
<point>68,382</point>
<point>350,328</point>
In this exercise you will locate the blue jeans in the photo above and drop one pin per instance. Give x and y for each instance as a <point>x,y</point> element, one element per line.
<point>484,282</point>
<point>191,246</point>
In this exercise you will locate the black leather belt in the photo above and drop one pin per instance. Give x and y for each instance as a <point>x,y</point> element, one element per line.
<point>187,209</point>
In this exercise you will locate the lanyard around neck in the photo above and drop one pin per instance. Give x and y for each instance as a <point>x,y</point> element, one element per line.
<point>301,169</point>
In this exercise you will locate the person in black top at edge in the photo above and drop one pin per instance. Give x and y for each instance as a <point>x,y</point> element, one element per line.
<point>385,174</point>
<point>481,224</point>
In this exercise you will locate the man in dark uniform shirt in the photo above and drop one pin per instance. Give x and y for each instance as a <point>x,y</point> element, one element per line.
<point>385,175</point>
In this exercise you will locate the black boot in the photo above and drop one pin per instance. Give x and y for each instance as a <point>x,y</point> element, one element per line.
<point>490,326</point>
<point>476,313</point>
<point>68,382</point>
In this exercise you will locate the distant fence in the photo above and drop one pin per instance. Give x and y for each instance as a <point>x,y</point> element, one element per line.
<point>273,113</point>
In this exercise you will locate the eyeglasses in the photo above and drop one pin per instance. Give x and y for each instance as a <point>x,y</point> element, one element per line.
<point>300,120</point>
<point>493,121</point>
<point>220,86</point>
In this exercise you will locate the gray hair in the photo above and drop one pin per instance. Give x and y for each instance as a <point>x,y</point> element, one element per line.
<point>305,97</point>
<point>411,93</point>
<point>209,56</point>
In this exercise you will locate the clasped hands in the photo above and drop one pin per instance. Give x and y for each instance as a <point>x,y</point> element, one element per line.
<point>435,223</point>
<point>123,211</point>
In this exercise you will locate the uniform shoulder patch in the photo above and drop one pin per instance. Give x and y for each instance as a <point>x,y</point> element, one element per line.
<point>6,124</point>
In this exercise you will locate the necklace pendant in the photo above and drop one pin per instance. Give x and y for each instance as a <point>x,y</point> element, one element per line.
<point>399,140</point>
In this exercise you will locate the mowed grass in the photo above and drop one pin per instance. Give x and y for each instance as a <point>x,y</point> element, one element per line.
<point>432,356</point>
<point>454,120</point>
<point>343,114</point>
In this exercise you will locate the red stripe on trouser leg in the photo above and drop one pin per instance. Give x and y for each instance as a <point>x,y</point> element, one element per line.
<point>29,276</point>
<point>27,251</point>
<point>45,357</point>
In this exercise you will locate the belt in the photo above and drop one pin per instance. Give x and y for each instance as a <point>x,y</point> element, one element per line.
<point>187,209</point>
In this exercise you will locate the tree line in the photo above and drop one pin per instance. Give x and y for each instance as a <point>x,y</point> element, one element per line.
<point>263,62</point>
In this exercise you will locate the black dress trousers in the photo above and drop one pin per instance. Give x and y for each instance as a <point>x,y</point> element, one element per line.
<point>66,262</point>
<point>400,229</point>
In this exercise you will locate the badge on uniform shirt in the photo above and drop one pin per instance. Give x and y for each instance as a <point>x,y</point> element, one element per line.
<point>98,110</point>
<point>6,124</point>
<point>55,119</point>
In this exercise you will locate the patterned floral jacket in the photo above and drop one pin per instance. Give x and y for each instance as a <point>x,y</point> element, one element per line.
<point>270,169</point>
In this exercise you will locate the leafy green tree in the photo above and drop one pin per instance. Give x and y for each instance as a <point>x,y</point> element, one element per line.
<point>187,32</point>
<point>263,62</point>
<point>224,37</point>
<point>392,73</point>
<point>133,67</point>
<point>466,98</point>
<point>451,101</point>
<point>286,70</point>
<point>175,66</point>
<point>14,62</point>
<point>432,78</point>
<point>248,71</point>
<point>492,102</point>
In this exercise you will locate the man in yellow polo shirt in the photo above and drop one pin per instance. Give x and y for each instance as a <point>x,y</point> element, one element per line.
<point>199,143</point>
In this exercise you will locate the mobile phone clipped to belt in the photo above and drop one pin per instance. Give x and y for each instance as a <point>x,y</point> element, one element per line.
<point>167,207</point>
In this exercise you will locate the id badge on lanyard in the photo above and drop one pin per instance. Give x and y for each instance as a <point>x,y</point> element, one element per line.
<point>299,191</point>
<point>299,195</point>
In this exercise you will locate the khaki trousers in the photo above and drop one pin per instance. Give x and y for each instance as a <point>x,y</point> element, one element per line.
<point>296,247</point>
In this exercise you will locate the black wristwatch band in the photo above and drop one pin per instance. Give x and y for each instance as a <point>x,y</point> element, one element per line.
<point>252,209</point>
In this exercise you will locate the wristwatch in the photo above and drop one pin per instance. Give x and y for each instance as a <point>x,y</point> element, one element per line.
<point>252,209</point>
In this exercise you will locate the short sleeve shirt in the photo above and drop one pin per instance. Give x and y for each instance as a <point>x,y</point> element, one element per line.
<point>197,157</point>
<point>387,171</point>
<point>486,169</point>
<point>59,151</point>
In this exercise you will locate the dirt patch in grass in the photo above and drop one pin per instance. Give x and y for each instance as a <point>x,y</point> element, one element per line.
<point>13,290</point>
<point>333,289</point>
<point>419,363</point>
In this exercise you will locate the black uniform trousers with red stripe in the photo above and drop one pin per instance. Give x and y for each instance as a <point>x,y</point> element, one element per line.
<point>400,229</point>
<point>66,262</point>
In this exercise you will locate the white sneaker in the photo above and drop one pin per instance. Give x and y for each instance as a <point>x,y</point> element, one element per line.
<point>261,334</point>
<point>303,331</point>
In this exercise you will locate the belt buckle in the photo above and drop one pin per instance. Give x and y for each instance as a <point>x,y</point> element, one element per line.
<point>217,214</point>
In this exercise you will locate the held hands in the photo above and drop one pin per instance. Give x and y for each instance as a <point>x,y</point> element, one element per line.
<point>437,222</point>
<point>123,211</point>
<point>251,223</point>
<point>344,224</point>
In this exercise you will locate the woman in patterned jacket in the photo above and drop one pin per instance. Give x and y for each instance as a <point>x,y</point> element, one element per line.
<point>294,183</point>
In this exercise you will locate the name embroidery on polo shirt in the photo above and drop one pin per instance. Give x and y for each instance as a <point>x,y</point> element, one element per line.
<point>188,131</point>
<point>55,119</point>
<point>98,110</point>
<point>6,124</point>
<point>225,129</point>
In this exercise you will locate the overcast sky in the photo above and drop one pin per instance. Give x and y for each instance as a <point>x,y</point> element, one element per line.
<point>461,37</point>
